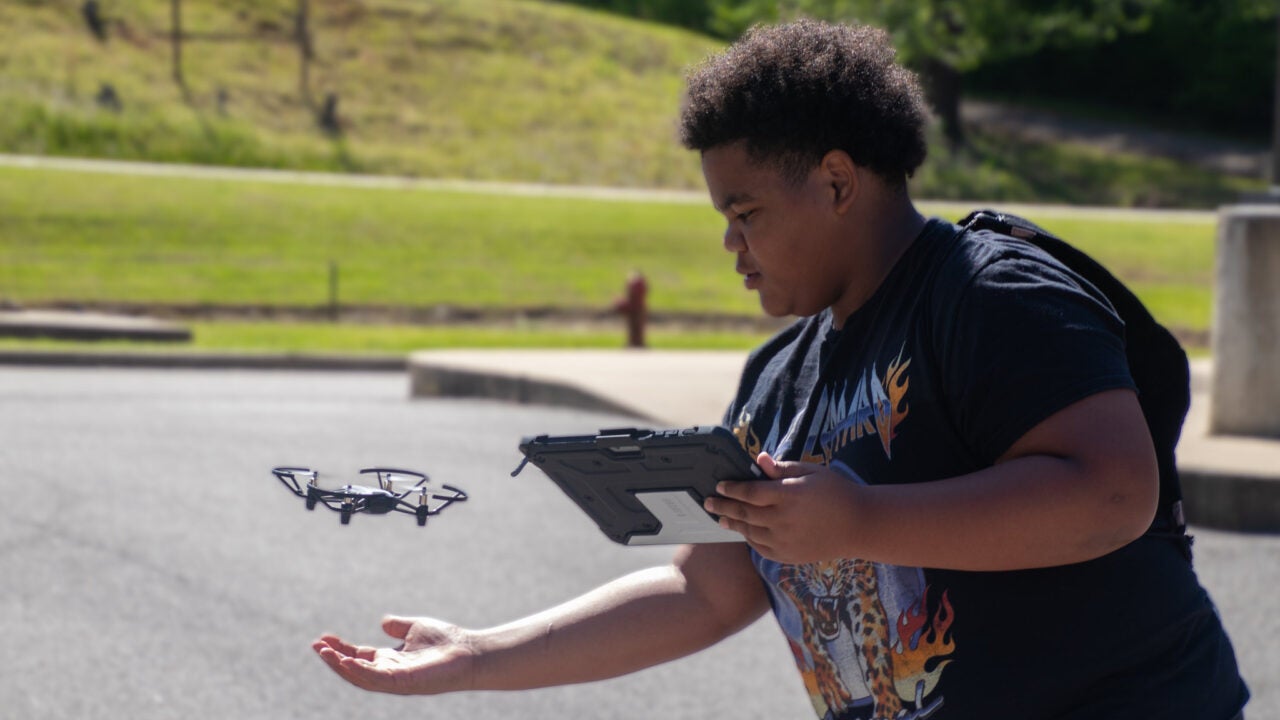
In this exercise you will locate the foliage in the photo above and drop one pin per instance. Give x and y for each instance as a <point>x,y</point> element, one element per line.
<point>943,38</point>
<point>961,33</point>
<point>1203,64</point>
<point>1206,64</point>
<point>691,14</point>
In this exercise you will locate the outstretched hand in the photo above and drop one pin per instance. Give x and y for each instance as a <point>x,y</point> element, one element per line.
<point>433,657</point>
<point>805,516</point>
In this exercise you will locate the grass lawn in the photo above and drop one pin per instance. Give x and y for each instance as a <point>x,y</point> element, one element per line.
<point>99,238</point>
<point>346,338</point>
<point>84,237</point>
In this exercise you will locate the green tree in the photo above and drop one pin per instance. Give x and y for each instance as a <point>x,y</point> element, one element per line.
<point>942,39</point>
<point>690,14</point>
<point>1206,65</point>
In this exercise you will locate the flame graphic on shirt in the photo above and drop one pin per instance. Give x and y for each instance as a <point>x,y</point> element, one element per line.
<point>872,407</point>
<point>922,642</point>
<point>892,411</point>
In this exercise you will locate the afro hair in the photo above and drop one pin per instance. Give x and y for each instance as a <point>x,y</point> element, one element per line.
<point>796,91</point>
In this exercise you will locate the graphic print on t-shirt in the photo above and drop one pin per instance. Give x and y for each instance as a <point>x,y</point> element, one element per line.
<point>874,406</point>
<point>870,640</point>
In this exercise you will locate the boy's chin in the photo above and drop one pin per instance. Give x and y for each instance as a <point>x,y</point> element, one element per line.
<point>778,310</point>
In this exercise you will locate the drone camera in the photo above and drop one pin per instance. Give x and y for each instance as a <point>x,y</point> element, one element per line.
<point>381,503</point>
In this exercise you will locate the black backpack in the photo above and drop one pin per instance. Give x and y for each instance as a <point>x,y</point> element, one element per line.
<point>1157,362</point>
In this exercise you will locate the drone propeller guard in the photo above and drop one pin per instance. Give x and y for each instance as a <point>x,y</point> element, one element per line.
<point>418,499</point>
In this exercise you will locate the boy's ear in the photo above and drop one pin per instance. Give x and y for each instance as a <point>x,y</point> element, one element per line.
<point>841,176</point>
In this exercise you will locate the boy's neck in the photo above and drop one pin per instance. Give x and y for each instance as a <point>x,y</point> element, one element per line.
<point>887,226</point>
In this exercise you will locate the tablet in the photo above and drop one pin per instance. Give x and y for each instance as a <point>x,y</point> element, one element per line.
<point>645,487</point>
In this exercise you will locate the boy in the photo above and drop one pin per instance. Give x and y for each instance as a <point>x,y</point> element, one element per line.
<point>963,477</point>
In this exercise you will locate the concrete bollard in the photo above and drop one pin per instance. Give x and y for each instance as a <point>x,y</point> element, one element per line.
<point>1245,335</point>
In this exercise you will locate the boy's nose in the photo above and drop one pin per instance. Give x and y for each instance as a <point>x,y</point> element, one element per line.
<point>734,240</point>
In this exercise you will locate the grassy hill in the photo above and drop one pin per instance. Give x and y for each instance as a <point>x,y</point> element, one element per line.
<point>483,89</point>
<point>476,89</point>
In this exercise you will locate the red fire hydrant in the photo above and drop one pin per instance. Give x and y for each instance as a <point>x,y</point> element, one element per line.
<point>632,305</point>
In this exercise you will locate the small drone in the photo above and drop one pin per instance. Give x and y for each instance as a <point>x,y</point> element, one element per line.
<point>380,500</point>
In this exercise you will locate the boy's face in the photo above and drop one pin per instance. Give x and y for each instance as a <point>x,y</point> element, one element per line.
<point>786,238</point>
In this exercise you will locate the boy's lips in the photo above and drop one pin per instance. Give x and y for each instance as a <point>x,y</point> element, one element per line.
<point>750,276</point>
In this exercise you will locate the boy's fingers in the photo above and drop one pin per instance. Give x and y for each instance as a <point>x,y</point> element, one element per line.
<point>396,627</point>
<point>779,469</point>
<point>752,492</point>
<point>364,675</point>
<point>342,647</point>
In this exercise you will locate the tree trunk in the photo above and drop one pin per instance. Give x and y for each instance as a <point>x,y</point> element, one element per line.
<point>175,19</point>
<point>942,86</point>
<point>1275,117</point>
<point>302,31</point>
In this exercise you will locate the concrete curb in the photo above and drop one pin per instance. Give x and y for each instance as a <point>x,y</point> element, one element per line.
<point>659,388</point>
<point>63,325</point>
<point>1228,482</point>
<point>204,360</point>
<point>1228,500</point>
<point>436,381</point>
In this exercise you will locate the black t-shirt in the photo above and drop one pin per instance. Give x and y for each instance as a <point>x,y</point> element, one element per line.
<point>971,340</point>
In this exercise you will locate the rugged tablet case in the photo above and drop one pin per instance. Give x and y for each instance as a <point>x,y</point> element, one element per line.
<point>645,487</point>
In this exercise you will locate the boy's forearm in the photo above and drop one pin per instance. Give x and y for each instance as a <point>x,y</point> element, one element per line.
<point>1079,485</point>
<point>1031,512</point>
<point>637,621</point>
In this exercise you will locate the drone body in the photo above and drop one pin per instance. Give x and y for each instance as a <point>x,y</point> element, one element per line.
<point>417,499</point>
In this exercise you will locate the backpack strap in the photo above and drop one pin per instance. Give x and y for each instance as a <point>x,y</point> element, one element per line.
<point>1157,361</point>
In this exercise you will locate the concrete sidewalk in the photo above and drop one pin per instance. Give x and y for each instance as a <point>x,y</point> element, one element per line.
<point>73,325</point>
<point>659,388</point>
<point>1228,482</point>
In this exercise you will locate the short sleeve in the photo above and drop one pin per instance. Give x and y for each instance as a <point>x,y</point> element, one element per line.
<point>1022,339</point>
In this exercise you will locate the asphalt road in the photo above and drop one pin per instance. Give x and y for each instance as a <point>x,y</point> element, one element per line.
<point>151,567</point>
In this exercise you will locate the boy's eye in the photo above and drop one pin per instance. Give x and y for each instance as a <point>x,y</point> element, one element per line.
<point>744,216</point>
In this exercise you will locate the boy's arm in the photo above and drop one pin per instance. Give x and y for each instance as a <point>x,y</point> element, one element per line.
<point>1080,484</point>
<point>708,593</point>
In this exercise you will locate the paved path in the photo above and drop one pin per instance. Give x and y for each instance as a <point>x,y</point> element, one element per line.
<point>150,567</point>
<point>1229,482</point>
<point>1214,153</point>
<point>128,167</point>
